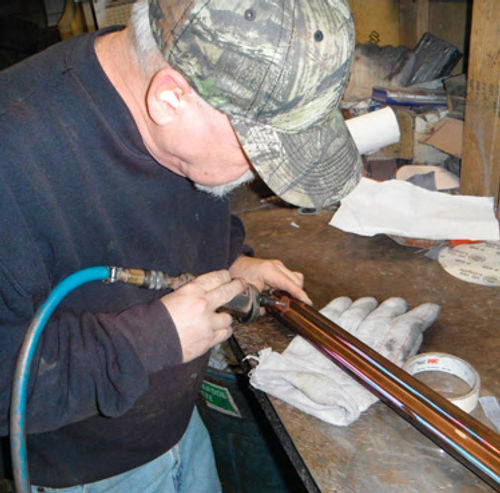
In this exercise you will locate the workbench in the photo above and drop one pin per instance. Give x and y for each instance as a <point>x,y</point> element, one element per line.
<point>380,452</point>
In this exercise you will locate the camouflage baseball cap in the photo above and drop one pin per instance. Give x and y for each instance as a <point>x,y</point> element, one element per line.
<point>278,69</point>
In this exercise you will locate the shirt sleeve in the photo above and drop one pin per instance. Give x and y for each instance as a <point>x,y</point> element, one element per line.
<point>85,363</point>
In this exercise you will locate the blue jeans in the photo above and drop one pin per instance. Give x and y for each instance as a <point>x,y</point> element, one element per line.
<point>188,467</point>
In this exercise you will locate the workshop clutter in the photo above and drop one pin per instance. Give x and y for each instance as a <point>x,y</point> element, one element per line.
<point>428,103</point>
<point>401,194</point>
<point>431,220</point>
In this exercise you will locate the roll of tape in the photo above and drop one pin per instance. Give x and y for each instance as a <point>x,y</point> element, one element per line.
<point>447,363</point>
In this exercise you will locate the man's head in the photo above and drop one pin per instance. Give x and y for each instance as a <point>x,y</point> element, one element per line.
<point>277,69</point>
<point>180,129</point>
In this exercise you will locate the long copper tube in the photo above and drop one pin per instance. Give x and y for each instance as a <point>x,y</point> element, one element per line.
<point>473,444</point>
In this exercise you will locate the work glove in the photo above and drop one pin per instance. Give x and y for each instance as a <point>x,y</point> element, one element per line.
<point>305,378</point>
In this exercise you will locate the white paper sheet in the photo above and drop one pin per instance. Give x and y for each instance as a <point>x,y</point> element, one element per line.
<point>401,208</point>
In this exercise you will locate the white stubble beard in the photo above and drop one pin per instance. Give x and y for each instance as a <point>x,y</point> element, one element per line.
<point>221,191</point>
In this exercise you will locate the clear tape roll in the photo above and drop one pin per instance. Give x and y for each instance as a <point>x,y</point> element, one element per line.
<point>447,363</point>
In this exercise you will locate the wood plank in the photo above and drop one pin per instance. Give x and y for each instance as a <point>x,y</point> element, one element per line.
<point>422,18</point>
<point>413,21</point>
<point>407,23</point>
<point>449,20</point>
<point>480,173</point>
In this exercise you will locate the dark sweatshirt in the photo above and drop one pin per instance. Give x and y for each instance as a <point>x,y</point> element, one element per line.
<point>108,391</point>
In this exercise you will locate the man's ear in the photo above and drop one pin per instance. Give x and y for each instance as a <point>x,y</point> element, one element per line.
<point>165,96</point>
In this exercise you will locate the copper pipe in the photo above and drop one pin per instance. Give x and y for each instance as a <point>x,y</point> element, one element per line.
<point>473,444</point>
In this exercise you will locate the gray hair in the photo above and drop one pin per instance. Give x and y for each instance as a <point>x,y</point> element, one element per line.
<point>145,47</point>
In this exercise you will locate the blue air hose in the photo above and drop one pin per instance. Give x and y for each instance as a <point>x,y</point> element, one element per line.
<point>148,279</point>
<point>22,371</point>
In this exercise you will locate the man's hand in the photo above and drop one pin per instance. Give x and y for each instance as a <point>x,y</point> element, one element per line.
<point>193,310</point>
<point>269,274</point>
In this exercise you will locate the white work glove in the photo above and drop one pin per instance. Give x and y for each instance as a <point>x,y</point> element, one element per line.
<point>308,380</point>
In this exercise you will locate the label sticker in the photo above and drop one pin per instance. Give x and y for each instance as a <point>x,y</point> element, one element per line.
<point>478,263</point>
<point>219,398</point>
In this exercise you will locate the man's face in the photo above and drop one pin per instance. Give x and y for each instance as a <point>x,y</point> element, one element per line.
<point>202,146</point>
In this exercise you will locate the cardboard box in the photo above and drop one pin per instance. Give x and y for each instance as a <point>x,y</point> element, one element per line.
<point>414,127</point>
<point>446,135</point>
<point>376,21</point>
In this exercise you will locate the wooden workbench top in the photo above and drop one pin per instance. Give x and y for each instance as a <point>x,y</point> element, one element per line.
<point>380,452</point>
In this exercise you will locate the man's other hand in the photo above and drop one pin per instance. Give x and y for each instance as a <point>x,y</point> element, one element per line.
<point>264,274</point>
<point>193,310</point>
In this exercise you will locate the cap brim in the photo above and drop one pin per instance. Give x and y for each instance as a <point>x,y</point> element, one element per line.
<point>312,168</point>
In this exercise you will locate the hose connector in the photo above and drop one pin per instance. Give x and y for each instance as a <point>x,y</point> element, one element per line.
<point>148,279</point>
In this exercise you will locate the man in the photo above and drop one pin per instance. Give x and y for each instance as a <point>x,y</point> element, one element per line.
<point>103,137</point>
